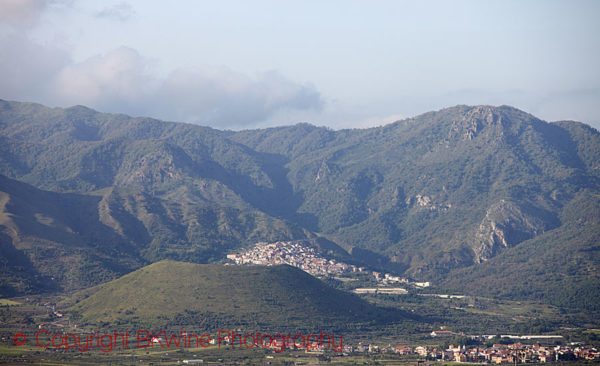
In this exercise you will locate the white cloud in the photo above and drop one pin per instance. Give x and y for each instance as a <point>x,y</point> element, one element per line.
<point>120,12</point>
<point>222,97</point>
<point>112,81</point>
<point>122,81</point>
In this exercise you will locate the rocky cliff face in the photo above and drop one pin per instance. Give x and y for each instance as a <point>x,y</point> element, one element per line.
<point>506,224</point>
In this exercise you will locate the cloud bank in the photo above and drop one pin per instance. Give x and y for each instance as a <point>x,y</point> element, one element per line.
<point>122,80</point>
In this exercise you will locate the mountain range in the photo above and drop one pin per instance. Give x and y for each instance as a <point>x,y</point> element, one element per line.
<point>478,199</point>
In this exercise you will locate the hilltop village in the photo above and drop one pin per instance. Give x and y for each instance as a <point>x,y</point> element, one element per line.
<point>295,254</point>
<point>309,260</point>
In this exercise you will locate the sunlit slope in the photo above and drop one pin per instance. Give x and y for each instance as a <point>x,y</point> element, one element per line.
<point>212,296</point>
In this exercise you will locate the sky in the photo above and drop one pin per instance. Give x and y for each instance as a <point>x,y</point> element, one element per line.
<point>341,64</point>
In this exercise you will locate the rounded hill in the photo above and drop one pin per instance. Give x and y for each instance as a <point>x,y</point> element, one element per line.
<point>216,296</point>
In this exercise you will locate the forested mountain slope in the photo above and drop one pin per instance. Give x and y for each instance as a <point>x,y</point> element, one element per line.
<point>463,187</point>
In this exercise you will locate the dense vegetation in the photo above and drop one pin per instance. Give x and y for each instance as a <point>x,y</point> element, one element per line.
<point>213,297</point>
<point>560,266</point>
<point>482,199</point>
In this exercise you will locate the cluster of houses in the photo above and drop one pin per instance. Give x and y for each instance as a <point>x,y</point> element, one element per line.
<point>308,259</point>
<point>52,308</point>
<point>498,353</point>
<point>388,279</point>
<point>295,254</point>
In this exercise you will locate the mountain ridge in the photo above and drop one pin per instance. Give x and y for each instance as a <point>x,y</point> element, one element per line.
<point>424,196</point>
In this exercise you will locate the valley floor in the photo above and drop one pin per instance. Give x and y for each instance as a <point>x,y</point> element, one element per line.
<point>446,323</point>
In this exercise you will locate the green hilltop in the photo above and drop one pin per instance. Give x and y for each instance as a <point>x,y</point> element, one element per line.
<point>205,296</point>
